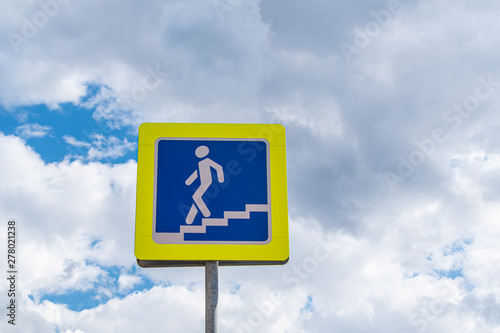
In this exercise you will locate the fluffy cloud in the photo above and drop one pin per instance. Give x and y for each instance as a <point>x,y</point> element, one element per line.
<point>101,147</point>
<point>188,55</point>
<point>64,208</point>
<point>33,131</point>
<point>415,252</point>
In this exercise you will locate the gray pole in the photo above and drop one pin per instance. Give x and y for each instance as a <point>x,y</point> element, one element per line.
<point>211,295</point>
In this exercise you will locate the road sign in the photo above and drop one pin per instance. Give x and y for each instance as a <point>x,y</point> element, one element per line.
<point>211,192</point>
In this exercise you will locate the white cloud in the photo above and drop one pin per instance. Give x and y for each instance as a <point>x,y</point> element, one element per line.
<point>153,77</point>
<point>161,309</point>
<point>101,147</point>
<point>106,106</point>
<point>74,142</point>
<point>126,282</point>
<point>347,123</point>
<point>70,206</point>
<point>317,113</point>
<point>386,274</point>
<point>33,130</point>
<point>110,147</point>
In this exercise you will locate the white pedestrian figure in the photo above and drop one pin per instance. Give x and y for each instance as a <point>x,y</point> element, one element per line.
<point>205,175</point>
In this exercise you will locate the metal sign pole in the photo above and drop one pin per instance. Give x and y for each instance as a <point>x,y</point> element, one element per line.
<point>211,295</point>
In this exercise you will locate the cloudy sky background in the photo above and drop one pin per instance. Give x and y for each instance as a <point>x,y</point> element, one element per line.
<point>393,148</point>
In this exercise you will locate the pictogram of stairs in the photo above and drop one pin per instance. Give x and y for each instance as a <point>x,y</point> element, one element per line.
<point>223,222</point>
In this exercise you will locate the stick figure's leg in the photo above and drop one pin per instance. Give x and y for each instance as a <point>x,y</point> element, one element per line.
<point>192,214</point>
<point>199,201</point>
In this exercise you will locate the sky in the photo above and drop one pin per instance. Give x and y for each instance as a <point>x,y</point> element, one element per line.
<point>391,110</point>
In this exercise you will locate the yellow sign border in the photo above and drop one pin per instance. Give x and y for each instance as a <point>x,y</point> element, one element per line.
<point>147,251</point>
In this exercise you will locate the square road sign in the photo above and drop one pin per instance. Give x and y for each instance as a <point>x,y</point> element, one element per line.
<point>211,192</point>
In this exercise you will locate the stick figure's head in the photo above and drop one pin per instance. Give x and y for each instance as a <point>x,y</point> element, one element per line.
<point>201,151</point>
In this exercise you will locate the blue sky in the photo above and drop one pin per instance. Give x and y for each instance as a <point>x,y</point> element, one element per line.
<point>48,131</point>
<point>393,152</point>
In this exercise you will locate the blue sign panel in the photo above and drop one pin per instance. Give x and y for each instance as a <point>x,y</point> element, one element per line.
<point>212,191</point>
